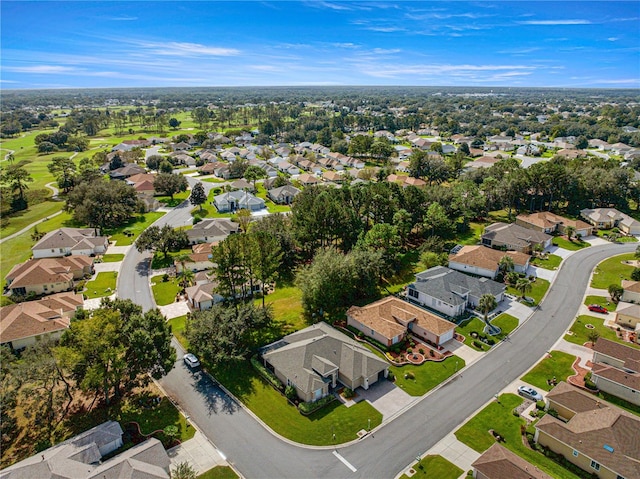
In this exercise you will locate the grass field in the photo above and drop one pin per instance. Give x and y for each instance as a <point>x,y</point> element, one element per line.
<point>580,333</point>
<point>219,472</point>
<point>22,219</point>
<point>551,262</point>
<point>136,226</point>
<point>499,417</point>
<point>612,271</point>
<point>574,245</point>
<point>603,301</point>
<point>505,322</point>
<point>103,285</point>
<point>538,290</point>
<point>112,258</point>
<point>434,467</point>
<point>177,328</point>
<point>427,375</point>
<point>557,364</point>
<point>286,304</point>
<point>164,292</point>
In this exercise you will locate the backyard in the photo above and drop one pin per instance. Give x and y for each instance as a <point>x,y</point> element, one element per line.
<point>498,416</point>
<point>612,271</point>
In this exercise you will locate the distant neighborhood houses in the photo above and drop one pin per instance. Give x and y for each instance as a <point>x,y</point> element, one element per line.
<point>70,241</point>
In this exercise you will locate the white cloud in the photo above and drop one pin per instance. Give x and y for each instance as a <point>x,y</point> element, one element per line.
<point>185,49</point>
<point>385,51</point>
<point>123,18</point>
<point>42,69</point>
<point>389,29</point>
<point>556,22</point>
<point>519,51</point>
<point>613,39</point>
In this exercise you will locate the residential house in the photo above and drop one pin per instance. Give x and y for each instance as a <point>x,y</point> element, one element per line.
<point>332,176</point>
<point>450,292</point>
<point>283,195</point>
<point>607,218</point>
<point>143,183</point>
<point>83,457</point>
<point>203,296</point>
<point>211,230</point>
<point>126,171</point>
<point>483,162</point>
<point>550,223</point>
<point>313,361</point>
<point>616,369</point>
<point>48,275</point>
<point>237,200</point>
<point>483,261</point>
<point>628,315</point>
<point>286,167</point>
<point>70,241</point>
<point>596,436</point>
<point>514,237</point>
<point>210,168</point>
<point>181,146</point>
<point>631,291</point>
<point>389,320</point>
<point>195,262</point>
<point>242,184</point>
<point>22,324</point>
<point>498,462</point>
<point>306,179</point>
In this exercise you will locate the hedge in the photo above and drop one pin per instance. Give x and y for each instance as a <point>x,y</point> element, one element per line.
<point>309,407</point>
<point>268,375</point>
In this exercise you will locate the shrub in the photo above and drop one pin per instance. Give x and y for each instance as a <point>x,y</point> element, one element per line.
<point>268,375</point>
<point>79,286</point>
<point>391,377</point>
<point>421,351</point>
<point>348,393</point>
<point>477,344</point>
<point>290,392</point>
<point>165,277</point>
<point>409,375</point>
<point>309,407</point>
<point>540,405</point>
<point>409,351</point>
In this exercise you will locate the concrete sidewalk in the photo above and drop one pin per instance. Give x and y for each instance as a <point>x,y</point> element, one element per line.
<point>199,452</point>
<point>455,452</point>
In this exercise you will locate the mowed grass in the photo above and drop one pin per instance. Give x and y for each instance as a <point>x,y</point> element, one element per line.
<point>498,417</point>
<point>286,304</point>
<point>164,292</point>
<point>178,326</point>
<point>427,375</point>
<point>103,285</point>
<point>434,467</point>
<point>22,219</point>
<point>466,328</point>
<point>580,333</point>
<point>574,245</point>
<point>219,472</point>
<point>612,271</point>
<point>112,258</point>
<point>471,237</point>
<point>135,226</point>
<point>603,301</point>
<point>316,429</point>
<point>538,289</point>
<point>556,364</point>
<point>552,262</point>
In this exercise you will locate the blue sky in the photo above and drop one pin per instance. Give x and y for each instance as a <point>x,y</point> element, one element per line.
<point>484,43</point>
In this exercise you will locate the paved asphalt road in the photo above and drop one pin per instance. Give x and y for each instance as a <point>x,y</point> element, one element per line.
<point>258,454</point>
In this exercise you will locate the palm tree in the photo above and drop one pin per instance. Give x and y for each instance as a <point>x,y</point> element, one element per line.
<point>506,264</point>
<point>512,278</point>
<point>486,304</point>
<point>186,277</point>
<point>523,286</point>
<point>570,231</point>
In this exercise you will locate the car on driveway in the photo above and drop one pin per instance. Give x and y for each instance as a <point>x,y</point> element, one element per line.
<point>529,393</point>
<point>191,361</point>
<point>596,308</point>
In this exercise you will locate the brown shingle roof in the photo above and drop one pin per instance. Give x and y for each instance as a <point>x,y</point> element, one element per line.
<point>616,375</point>
<point>32,318</point>
<point>589,431</point>
<point>617,350</point>
<point>498,462</point>
<point>47,270</point>
<point>546,219</point>
<point>387,315</point>
<point>632,286</point>
<point>487,258</point>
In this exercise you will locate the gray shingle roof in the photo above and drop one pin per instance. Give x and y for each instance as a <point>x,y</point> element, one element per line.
<point>453,286</point>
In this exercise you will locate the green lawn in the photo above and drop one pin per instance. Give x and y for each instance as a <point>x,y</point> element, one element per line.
<point>538,290</point>
<point>505,322</point>
<point>558,365</point>
<point>434,467</point>
<point>574,245</point>
<point>219,472</point>
<point>177,199</point>
<point>177,328</point>
<point>471,237</point>
<point>212,179</point>
<point>22,219</point>
<point>136,226</point>
<point>103,285</point>
<point>499,417</point>
<point>627,239</point>
<point>602,301</point>
<point>112,258</point>
<point>271,407</point>
<point>612,271</point>
<point>427,375</point>
<point>286,304</point>
<point>161,261</point>
<point>164,292</point>
<point>580,334</point>
<point>550,262</point>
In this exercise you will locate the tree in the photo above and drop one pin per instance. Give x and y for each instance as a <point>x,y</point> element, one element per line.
<point>102,203</point>
<point>512,278</point>
<point>635,274</point>
<point>163,239</point>
<point>486,304</point>
<point>570,231</point>
<point>615,291</point>
<point>153,162</point>
<point>117,347</point>
<point>223,335</point>
<point>16,177</point>
<point>429,259</point>
<point>64,169</point>
<point>636,255</point>
<point>267,260</point>
<point>198,196</point>
<point>464,148</point>
<point>185,277</point>
<point>254,173</point>
<point>165,167</point>
<point>384,238</point>
<point>174,123</point>
<point>201,116</point>
<point>170,183</point>
<point>437,221</point>
<point>243,217</point>
<point>523,286</point>
<point>183,470</point>
<point>506,264</point>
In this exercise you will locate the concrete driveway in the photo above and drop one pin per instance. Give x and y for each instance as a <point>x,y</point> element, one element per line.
<point>198,452</point>
<point>173,310</point>
<point>386,397</point>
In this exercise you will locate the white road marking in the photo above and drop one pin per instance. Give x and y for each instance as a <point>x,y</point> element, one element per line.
<point>344,461</point>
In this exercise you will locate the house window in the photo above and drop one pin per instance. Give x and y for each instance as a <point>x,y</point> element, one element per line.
<point>619,477</point>
<point>575,453</point>
<point>595,465</point>
<point>413,293</point>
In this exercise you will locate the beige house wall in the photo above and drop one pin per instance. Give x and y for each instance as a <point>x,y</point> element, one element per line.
<point>627,320</point>
<point>371,332</point>
<point>582,461</point>
<point>31,340</point>
<point>616,389</point>
<point>563,412</point>
<point>630,297</point>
